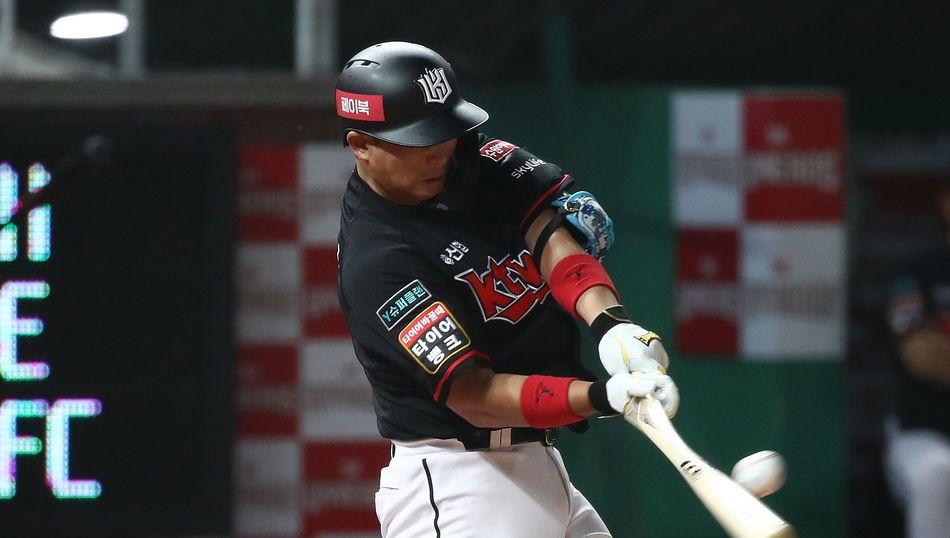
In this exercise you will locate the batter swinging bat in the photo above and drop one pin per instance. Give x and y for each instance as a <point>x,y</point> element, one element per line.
<point>737,510</point>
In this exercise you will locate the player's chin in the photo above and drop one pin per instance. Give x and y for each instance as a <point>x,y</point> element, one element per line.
<point>432,185</point>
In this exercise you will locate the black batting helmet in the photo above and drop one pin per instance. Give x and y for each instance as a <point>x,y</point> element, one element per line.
<point>403,93</point>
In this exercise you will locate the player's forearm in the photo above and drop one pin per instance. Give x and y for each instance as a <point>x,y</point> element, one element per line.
<point>489,400</point>
<point>503,406</point>
<point>561,245</point>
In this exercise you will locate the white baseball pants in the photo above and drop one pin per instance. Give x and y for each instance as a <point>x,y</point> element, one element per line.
<point>918,467</point>
<point>435,488</point>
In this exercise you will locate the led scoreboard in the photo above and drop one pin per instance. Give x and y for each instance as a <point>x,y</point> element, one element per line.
<point>116,359</point>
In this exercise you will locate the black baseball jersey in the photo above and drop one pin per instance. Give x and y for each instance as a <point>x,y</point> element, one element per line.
<point>432,289</point>
<point>921,296</point>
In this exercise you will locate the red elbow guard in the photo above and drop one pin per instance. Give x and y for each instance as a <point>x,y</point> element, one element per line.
<point>544,401</point>
<point>574,275</point>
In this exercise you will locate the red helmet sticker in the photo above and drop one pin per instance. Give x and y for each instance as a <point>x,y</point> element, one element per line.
<point>358,106</point>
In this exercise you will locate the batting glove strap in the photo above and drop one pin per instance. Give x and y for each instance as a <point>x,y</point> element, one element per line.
<point>597,394</point>
<point>609,318</point>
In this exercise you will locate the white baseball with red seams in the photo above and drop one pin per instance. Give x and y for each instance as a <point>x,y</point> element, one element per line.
<point>761,474</point>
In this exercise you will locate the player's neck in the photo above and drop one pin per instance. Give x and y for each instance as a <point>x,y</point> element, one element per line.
<point>377,187</point>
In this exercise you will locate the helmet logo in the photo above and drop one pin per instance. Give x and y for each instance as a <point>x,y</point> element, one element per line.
<point>434,85</point>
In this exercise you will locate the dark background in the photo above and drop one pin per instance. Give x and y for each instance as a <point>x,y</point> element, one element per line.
<point>139,317</point>
<point>885,55</point>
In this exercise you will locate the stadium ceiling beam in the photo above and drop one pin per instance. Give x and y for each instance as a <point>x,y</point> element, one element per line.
<point>208,91</point>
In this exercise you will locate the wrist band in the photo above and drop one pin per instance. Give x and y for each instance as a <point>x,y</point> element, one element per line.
<point>597,394</point>
<point>574,275</point>
<point>608,319</point>
<point>545,403</point>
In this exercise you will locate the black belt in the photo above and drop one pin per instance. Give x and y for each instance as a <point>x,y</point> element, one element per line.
<point>482,439</point>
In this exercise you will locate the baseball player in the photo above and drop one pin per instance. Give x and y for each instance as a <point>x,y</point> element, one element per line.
<point>917,452</point>
<point>464,260</point>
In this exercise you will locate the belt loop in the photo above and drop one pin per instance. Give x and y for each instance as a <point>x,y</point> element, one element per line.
<point>494,439</point>
<point>500,438</point>
<point>550,436</point>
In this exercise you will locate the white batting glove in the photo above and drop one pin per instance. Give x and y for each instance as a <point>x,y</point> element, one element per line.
<point>631,348</point>
<point>623,387</point>
<point>628,347</point>
<point>665,392</point>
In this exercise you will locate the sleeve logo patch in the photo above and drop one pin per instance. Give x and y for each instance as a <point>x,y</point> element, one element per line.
<point>433,337</point>
<point>497,149</point>
<point>401,303</point>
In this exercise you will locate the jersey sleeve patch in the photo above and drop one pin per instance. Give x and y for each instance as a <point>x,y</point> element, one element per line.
<point>402,303</point>
<point>496,150</point>
<point>433,337</point>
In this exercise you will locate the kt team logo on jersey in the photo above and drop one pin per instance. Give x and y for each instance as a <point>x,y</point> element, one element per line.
<point>433,337</point>
<point>509,289</point>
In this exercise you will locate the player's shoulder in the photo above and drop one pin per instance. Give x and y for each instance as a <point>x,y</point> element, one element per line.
<point>508,158</point>
<point>377,284</point>
<point>382,254</point>
<point>368,269</point>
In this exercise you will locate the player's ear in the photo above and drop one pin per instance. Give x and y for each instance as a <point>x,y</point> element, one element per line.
<point>359,144</point>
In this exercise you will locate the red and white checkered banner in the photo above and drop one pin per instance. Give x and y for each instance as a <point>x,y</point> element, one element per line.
<point>758,202</point>
<point>308,453</point>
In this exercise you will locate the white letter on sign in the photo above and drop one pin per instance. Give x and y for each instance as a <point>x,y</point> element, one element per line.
<point>11,445</point>
<point>57,448</point>
<point>12,326</point>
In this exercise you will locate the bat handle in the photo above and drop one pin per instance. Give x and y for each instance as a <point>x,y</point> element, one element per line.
<point>647,413</point>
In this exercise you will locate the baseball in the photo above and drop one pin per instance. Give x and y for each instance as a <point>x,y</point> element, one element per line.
<point>762,473</point>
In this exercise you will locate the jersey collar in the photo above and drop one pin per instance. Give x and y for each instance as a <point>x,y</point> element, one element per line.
<point>372,200</point>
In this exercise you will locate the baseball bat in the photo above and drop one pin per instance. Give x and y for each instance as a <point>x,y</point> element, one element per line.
<point>738,511</point>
